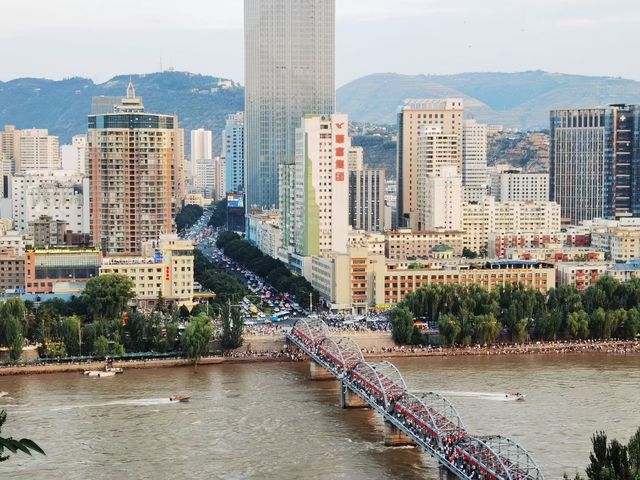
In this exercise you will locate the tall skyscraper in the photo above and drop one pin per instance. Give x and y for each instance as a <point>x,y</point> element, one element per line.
<point>289,72</point>
<point>233,152</point>
<point>219,178</point>
<point>595,162</point>
<point>366,199</point>
<point>201,147</point>
<point>414,114</point>
<point>134,165</point>
<point>440,200</point>
<point>475,176</point>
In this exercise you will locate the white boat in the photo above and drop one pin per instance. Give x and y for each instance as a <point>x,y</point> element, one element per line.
<point>99,373</point>
<point>515,396</point>
<point>114,369</point>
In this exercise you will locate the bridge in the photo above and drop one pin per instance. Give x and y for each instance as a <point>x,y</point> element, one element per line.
<point>427,420</point>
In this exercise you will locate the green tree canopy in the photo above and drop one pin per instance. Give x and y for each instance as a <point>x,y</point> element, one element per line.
<point>402,325</point>
<point>197,336</point>
<point>108,296</point>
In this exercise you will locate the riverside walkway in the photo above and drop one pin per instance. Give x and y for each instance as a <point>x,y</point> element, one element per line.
<point>427,420</point>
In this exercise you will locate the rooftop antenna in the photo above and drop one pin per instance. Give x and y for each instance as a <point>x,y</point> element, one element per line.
<point>131,91</point>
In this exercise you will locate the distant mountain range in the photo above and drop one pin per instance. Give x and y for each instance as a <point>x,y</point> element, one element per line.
<point>62,106</point>
<point>520,100</point>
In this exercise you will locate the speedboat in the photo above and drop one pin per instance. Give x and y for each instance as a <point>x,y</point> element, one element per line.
<point>180,398</point>
<point>516,396</point>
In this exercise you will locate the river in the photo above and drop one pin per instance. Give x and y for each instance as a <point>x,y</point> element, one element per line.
<point>268,421</point>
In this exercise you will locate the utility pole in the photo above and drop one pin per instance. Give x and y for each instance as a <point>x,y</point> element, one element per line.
<point>311,302</point>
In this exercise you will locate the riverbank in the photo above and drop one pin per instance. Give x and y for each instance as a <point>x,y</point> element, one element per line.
<point>272,349</point>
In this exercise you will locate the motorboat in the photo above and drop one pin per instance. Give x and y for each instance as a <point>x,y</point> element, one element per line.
<point>99,373</point>
<point>516,396</point>
<point>114,369</point>
<point>182,397</point>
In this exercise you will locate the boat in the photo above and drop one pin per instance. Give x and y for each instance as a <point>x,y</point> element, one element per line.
<point>180,398</point>
<point>515,396</point>
<point>98,373</point>
<point>114,369</point>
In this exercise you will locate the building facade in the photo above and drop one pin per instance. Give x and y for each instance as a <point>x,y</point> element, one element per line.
<point>440,199</point>
<point>46,232</point>
<point>514,186</point>
<point>595,162</point>
<point>60,270</point>
<point>201,148</point>
<point>59,194</point>
<point>135,168</point>
<point>406,243</point>
<point>233,152</point>
<point>474,159</point>
<point>289,73</point>
<point>414,115</point>
<point>366,199</point>
<point>37,150</point>
<point>72,157</point>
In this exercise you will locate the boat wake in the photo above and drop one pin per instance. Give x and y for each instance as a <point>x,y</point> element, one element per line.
<point>140,402</point>
<point>491,396</point>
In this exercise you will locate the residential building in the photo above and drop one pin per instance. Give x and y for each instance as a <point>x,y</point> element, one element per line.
<point>406,243</point>
<point>135,170</point>
<point>197,199</point>
<point>37,150</point>
<point>595,162</point>
<point>59,194</point>
<point>11,272</point>
<point>204,178</point>
<point>374,242</point>
<point>475,177</point>
<point>60,270</point>
<point>355,159</point>
<point>72,157</point>
<point>315,214</point>
<point>12,243</point>
<point>366,199</point>
<point>298,39</point>
<point>164,269</point>
<point>414,116</point>
<point>515,186</point>
<point>624,272</point>
<point>201,148</point>
<point>440,199</point>
<point>263,230</point>
<point>580,274</point>
<point>219,178</point>
<point>9,148</point>
<point>233,152</point>
<point>479,219</point>
<point>46,232</point>
<point>554,253</point>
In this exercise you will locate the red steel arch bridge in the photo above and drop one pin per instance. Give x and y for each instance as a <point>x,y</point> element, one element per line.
<point>427,420</point>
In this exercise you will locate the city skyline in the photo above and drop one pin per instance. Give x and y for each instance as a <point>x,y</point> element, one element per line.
<point>497,36</point>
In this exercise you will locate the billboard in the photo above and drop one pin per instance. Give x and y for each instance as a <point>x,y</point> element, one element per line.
<point>235,200</point>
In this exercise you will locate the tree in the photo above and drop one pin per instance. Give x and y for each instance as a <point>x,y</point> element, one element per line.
<point>107,296</point>
<point>70,334</point>
<point>402,325</point>
<point>578,325</point>
<point>188,216</point>
<point>232,329</point>
<point>101,347</point>
<point>449,329</point>
<point>14,446</point>
<point>468,253</point>
<point>613,460</point>
<point>197,336</point>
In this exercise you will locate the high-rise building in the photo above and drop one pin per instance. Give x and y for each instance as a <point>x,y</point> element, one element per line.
<point>366,199</point>
<point>595,162</point>
<point>204,178</point>
<point>515,186</point>
<point>219,178</point>
<point>355,157</point>
<point>440,200</point>
<point>233,152</point>
<point>317,219</point>
<point>201,147</point>
<point>289,72</point>
<point>72,156</point>
<point>134,164</point>
<point>414,115</point>
<point>37,151</point>
<point>9,148</point>
<point>474,160</point>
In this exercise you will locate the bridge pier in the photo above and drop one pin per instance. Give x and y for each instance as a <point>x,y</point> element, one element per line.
<point>348,399</point>
<point>394,437</point>
<point>318,373</point>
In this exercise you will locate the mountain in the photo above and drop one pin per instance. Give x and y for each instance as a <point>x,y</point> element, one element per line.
<point>519,100</point>
<point>62,106</point>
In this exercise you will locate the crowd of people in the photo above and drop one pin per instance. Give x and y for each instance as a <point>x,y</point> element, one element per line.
<point>284,354</point>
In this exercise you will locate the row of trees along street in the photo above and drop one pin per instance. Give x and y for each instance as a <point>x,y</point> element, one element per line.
<point>468,315</point>
<point>100,323</point>
<point>272,270</point>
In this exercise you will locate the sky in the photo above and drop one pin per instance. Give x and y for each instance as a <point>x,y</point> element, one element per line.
<point>66,38</point>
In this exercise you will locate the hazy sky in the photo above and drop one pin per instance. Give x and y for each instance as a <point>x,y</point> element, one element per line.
<point>99,39</point>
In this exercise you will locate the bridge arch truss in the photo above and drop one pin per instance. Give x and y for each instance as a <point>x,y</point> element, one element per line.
<point>344,352</point>
<point>311,331</point>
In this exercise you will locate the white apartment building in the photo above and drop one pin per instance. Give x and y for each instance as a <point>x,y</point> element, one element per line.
<point>233,152</point>
<point>580,274</point>
<point>72,157</point>
<point>318,190</point>
<point>219,178</point>
<point>513,186</point>
<point>204,180</point>
<point>479,219</point>
<point>440,200</point>
<point>201,147</point>
<point>355,159</point>
<point>263,230</point>
<point>59,194</point>
<point>38,150</point>
<point>475,177</point>
<point>374,242</point>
